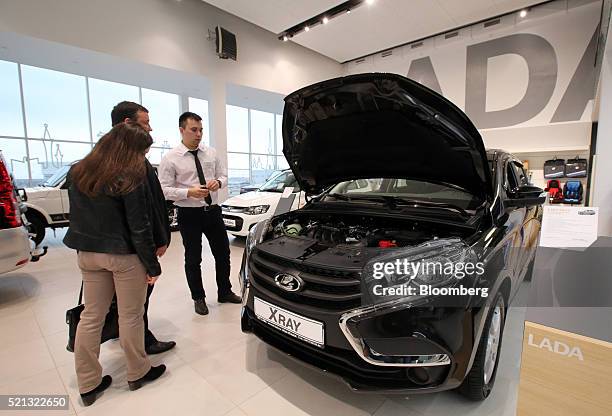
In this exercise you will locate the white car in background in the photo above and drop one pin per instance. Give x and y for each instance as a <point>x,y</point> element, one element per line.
<point>47,204</point>
<point>242,212</point>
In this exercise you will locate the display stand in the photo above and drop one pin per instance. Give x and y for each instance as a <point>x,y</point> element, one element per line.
<point>566,362</point>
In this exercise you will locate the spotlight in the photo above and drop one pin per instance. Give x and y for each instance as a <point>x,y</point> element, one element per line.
<point>348,11</point>
<point>325,20</point>
<point>523,13</point>
<point>370,1</point>
<point>306,28</point>
<point>285,38</point>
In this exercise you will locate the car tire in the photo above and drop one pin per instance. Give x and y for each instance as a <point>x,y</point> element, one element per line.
<point>36,228</point>
<point>478,383</point>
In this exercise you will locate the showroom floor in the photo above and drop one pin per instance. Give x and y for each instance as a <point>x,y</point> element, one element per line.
<point>215,369</point>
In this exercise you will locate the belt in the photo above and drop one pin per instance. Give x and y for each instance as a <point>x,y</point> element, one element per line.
<point>204,208</point>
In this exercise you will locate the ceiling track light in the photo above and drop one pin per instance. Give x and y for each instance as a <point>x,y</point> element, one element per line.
<point>323,18</point>
<point>523,13</point>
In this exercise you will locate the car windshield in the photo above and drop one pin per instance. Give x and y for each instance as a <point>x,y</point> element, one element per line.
<point>57,177</point>
<point>279,182</point>
<point>404,190</point>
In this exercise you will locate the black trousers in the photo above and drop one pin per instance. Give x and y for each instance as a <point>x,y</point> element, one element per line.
<point>149,337</point>
<point>193,222</point>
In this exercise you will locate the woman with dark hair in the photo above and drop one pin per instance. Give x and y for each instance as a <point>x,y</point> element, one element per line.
<point>110,227</point>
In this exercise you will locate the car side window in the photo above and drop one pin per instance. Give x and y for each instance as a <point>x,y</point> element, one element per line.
<point>515,175</point>
<point>520,174</point>
<point>511,179</point>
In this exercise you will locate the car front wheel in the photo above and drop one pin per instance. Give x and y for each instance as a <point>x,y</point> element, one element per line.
<point>479,381</point>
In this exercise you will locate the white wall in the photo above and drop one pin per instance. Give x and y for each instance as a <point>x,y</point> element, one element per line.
<point>563,30</point>
<point>601,194</point>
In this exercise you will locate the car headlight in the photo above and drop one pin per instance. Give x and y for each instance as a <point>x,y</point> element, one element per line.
<point>442,262</point>
<point>257,209</point>
<point>255,236</point>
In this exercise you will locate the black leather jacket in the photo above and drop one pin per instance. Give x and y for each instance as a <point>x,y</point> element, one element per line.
<point>161,223</point>
<point>114,225</point>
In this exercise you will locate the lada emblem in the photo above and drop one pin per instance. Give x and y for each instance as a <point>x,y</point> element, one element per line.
<point>288,282</point>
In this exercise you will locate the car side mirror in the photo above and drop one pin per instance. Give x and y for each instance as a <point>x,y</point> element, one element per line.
<point>23,195</point>
<point>526,196</point>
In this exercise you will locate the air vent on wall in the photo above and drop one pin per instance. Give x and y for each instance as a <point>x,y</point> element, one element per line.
<point>386,53</point>
<point>451,35</point>
<point>492,22</point>
<point>416,45</point>
<point>360,61</point>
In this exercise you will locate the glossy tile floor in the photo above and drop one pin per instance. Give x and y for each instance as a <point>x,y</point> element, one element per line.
<point>214,370</point>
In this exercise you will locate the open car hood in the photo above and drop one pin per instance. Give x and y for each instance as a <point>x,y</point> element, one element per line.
<point>381,126</point>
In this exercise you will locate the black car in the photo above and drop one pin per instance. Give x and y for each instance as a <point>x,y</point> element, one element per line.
<point>395,173</point>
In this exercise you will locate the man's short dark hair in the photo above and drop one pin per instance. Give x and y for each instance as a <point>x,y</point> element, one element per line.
<point>186,116</point>
<point>126,109</point>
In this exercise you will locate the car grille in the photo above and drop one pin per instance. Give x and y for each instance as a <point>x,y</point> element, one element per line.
<point>229,208</point>
<point>325,288</point>
<point>238,220</point>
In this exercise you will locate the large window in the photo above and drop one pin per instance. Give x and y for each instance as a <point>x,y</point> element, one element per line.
<point>55,104</point>
<point>62,125</point>
<point>200,107</point>
<point>237,119</point>
<point>103,96</point>
<point>164,112</point>
<point>11,121</point>
<point>252,145</point>
<point>281,162</point>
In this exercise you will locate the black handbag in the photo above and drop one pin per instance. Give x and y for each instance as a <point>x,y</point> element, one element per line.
<point>554,168</point>
<point>576,168</point>
<point>111,323</point>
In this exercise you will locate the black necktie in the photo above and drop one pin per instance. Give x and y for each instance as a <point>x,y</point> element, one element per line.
<point>201,177</point>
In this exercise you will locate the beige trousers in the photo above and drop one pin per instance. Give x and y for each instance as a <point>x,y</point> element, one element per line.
<point>103,275</point>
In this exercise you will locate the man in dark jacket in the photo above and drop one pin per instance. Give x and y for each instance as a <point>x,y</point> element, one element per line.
<point>129,111</point>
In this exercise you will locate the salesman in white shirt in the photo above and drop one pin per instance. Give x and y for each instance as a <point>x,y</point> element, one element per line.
<point>190,175</point>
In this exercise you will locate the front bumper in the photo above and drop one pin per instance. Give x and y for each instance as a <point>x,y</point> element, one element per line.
<point>397,350</point>
<point>244,222</point>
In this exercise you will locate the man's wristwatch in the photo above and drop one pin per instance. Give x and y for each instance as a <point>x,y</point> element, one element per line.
<point>219,183</point>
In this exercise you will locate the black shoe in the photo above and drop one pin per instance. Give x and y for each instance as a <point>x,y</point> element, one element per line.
<point>153,374</point>
<point>229,298</point>
<point>200,307</point>
<point>90,397</point>
<point>159,346</point>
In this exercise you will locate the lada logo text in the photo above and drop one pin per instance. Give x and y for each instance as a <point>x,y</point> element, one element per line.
<point>557,347</point>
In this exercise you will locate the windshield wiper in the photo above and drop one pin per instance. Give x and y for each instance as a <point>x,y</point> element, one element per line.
<point>393,202</point>
<point>340,196</point>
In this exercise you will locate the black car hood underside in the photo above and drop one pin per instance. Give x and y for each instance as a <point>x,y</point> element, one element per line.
<point>381,126</point>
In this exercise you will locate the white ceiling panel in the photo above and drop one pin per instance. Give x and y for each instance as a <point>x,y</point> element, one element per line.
<point>275,15</point>
<point>369,28</point>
